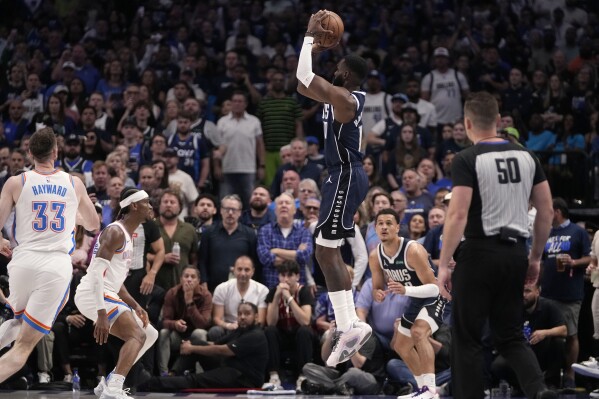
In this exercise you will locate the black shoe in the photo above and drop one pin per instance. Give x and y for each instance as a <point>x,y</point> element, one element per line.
<point>313,388</point>
<point>546,394</point>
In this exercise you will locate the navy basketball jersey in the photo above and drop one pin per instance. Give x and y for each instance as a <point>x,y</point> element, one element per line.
<point>396,266</point>
<point>343,140</point>
<point>189,152</point>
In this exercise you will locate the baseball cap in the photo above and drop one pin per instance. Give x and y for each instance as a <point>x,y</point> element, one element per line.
<point>312,140</point>
<point>72,138</point>
<point>400,97</point>
<point>61,89</point>
<point>441,52</point>
<point>374,74</point>
<point>68,64</point>
<point>170,152</point>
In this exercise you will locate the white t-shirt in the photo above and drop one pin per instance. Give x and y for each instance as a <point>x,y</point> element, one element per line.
<point>426,111</point>
<point>226,294</point>
<point>375,109</point>
<point>446,95</point>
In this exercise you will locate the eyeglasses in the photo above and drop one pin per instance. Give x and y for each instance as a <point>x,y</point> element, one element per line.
<point>230,210</point>
<point>312,208</point>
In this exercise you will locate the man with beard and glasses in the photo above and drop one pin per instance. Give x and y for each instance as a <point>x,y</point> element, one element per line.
<point>244,354</point>
<point>228,295</point>
<point>173,230</point>
<point>205,208</point>
<point>224,242</point>
<point>259,212</point>
<point>345,188</point>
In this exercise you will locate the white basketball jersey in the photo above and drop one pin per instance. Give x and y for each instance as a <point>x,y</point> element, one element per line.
<point>46,212</point>
<point>115,275</point>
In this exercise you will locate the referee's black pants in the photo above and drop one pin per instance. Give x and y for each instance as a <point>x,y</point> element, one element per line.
<point>488,283</point>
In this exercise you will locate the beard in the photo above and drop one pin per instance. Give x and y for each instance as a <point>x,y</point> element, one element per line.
<point>204,216</point>
<point>168,215</point>
<point>338,81</point>
<point>258,205</point>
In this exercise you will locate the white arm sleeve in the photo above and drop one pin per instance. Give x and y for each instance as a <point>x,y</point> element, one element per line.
<point>422,291</point>
<point>304,65</point>
<point>96,272</point>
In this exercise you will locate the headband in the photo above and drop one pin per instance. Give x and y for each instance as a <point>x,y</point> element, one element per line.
<point>138,196</point>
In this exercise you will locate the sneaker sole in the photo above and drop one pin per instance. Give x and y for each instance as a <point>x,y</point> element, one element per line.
<point>348,356</point>
<point>586,371</point>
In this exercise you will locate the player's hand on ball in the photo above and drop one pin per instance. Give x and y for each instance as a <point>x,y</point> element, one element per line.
<point>316,29</point>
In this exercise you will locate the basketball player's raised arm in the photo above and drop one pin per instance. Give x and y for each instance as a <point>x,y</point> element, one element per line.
<point>87,210</point>
<point>314,86</point>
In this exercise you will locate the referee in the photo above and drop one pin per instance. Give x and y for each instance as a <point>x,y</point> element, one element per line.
<point>493,183</point>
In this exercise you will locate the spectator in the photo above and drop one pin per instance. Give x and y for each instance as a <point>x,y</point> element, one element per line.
<point>283,241</point>
<point>377,106</point>
<point>539,138</point>
<point>281,119</point>
<point>387,128</point>
<point>406,154</point>
<point>245,354</point>
<point>222,244</point>
<point>426,110</point>
<point>72,160</point>
<point>180,181</point>
<point>445,88</point>
<point>191,150</point>
<point>230,294</point>
<point>32,97</point>
<point>567,254</point>
<point>259,212</point>
<point>545,330</point>
<point>241,147</point>
<point>16,124</point>
<point>299,163</point>
<point>173,231</point>
<point>288,318</point>
<point>381,315</point>
<point>204,211</point>
<point>418,200</point>
<point>186,316</point>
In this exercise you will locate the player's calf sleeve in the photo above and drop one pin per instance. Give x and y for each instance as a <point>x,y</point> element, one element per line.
<point>151,337</point>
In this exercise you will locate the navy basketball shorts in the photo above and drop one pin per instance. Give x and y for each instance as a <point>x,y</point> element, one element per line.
<point>428,309</point>
<point>342,194</point>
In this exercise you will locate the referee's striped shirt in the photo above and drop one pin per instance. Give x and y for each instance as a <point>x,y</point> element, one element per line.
<point>501,175</point>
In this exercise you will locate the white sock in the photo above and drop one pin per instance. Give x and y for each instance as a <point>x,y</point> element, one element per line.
<point>351,306</point>
<point>110,375</point>
<point>9,330</point>
<point>339,302</point>
<point>428,380</point>
<point>116,382</point>
<point>419,380</point>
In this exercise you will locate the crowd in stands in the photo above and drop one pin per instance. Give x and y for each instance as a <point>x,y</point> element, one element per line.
<point>196,103</point>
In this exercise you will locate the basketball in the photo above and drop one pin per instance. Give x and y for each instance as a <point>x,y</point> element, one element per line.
<point>333,23</point>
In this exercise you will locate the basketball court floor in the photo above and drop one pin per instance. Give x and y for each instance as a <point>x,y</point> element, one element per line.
<point>90,395</point>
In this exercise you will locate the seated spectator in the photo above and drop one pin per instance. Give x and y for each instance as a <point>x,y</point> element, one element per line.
<point>545,330</point>
<point>228,296</point>
<point>365,377</point>
<point>288,318</point>
<point>416,227</point>
<point>381,315</point>
<point>300,163</point>
<point>418,200</point>
<point>539,138</point>
<point>244,355</point>
<point>185,316</point>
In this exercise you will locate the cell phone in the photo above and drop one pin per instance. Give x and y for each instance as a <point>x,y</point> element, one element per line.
<point>92,190</point>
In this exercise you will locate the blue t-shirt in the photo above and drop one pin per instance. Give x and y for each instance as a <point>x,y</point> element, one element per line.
<point>541,141</point>
<point>567,286</point>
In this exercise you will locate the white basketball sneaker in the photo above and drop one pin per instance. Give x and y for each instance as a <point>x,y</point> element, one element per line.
<point>346,344</point>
